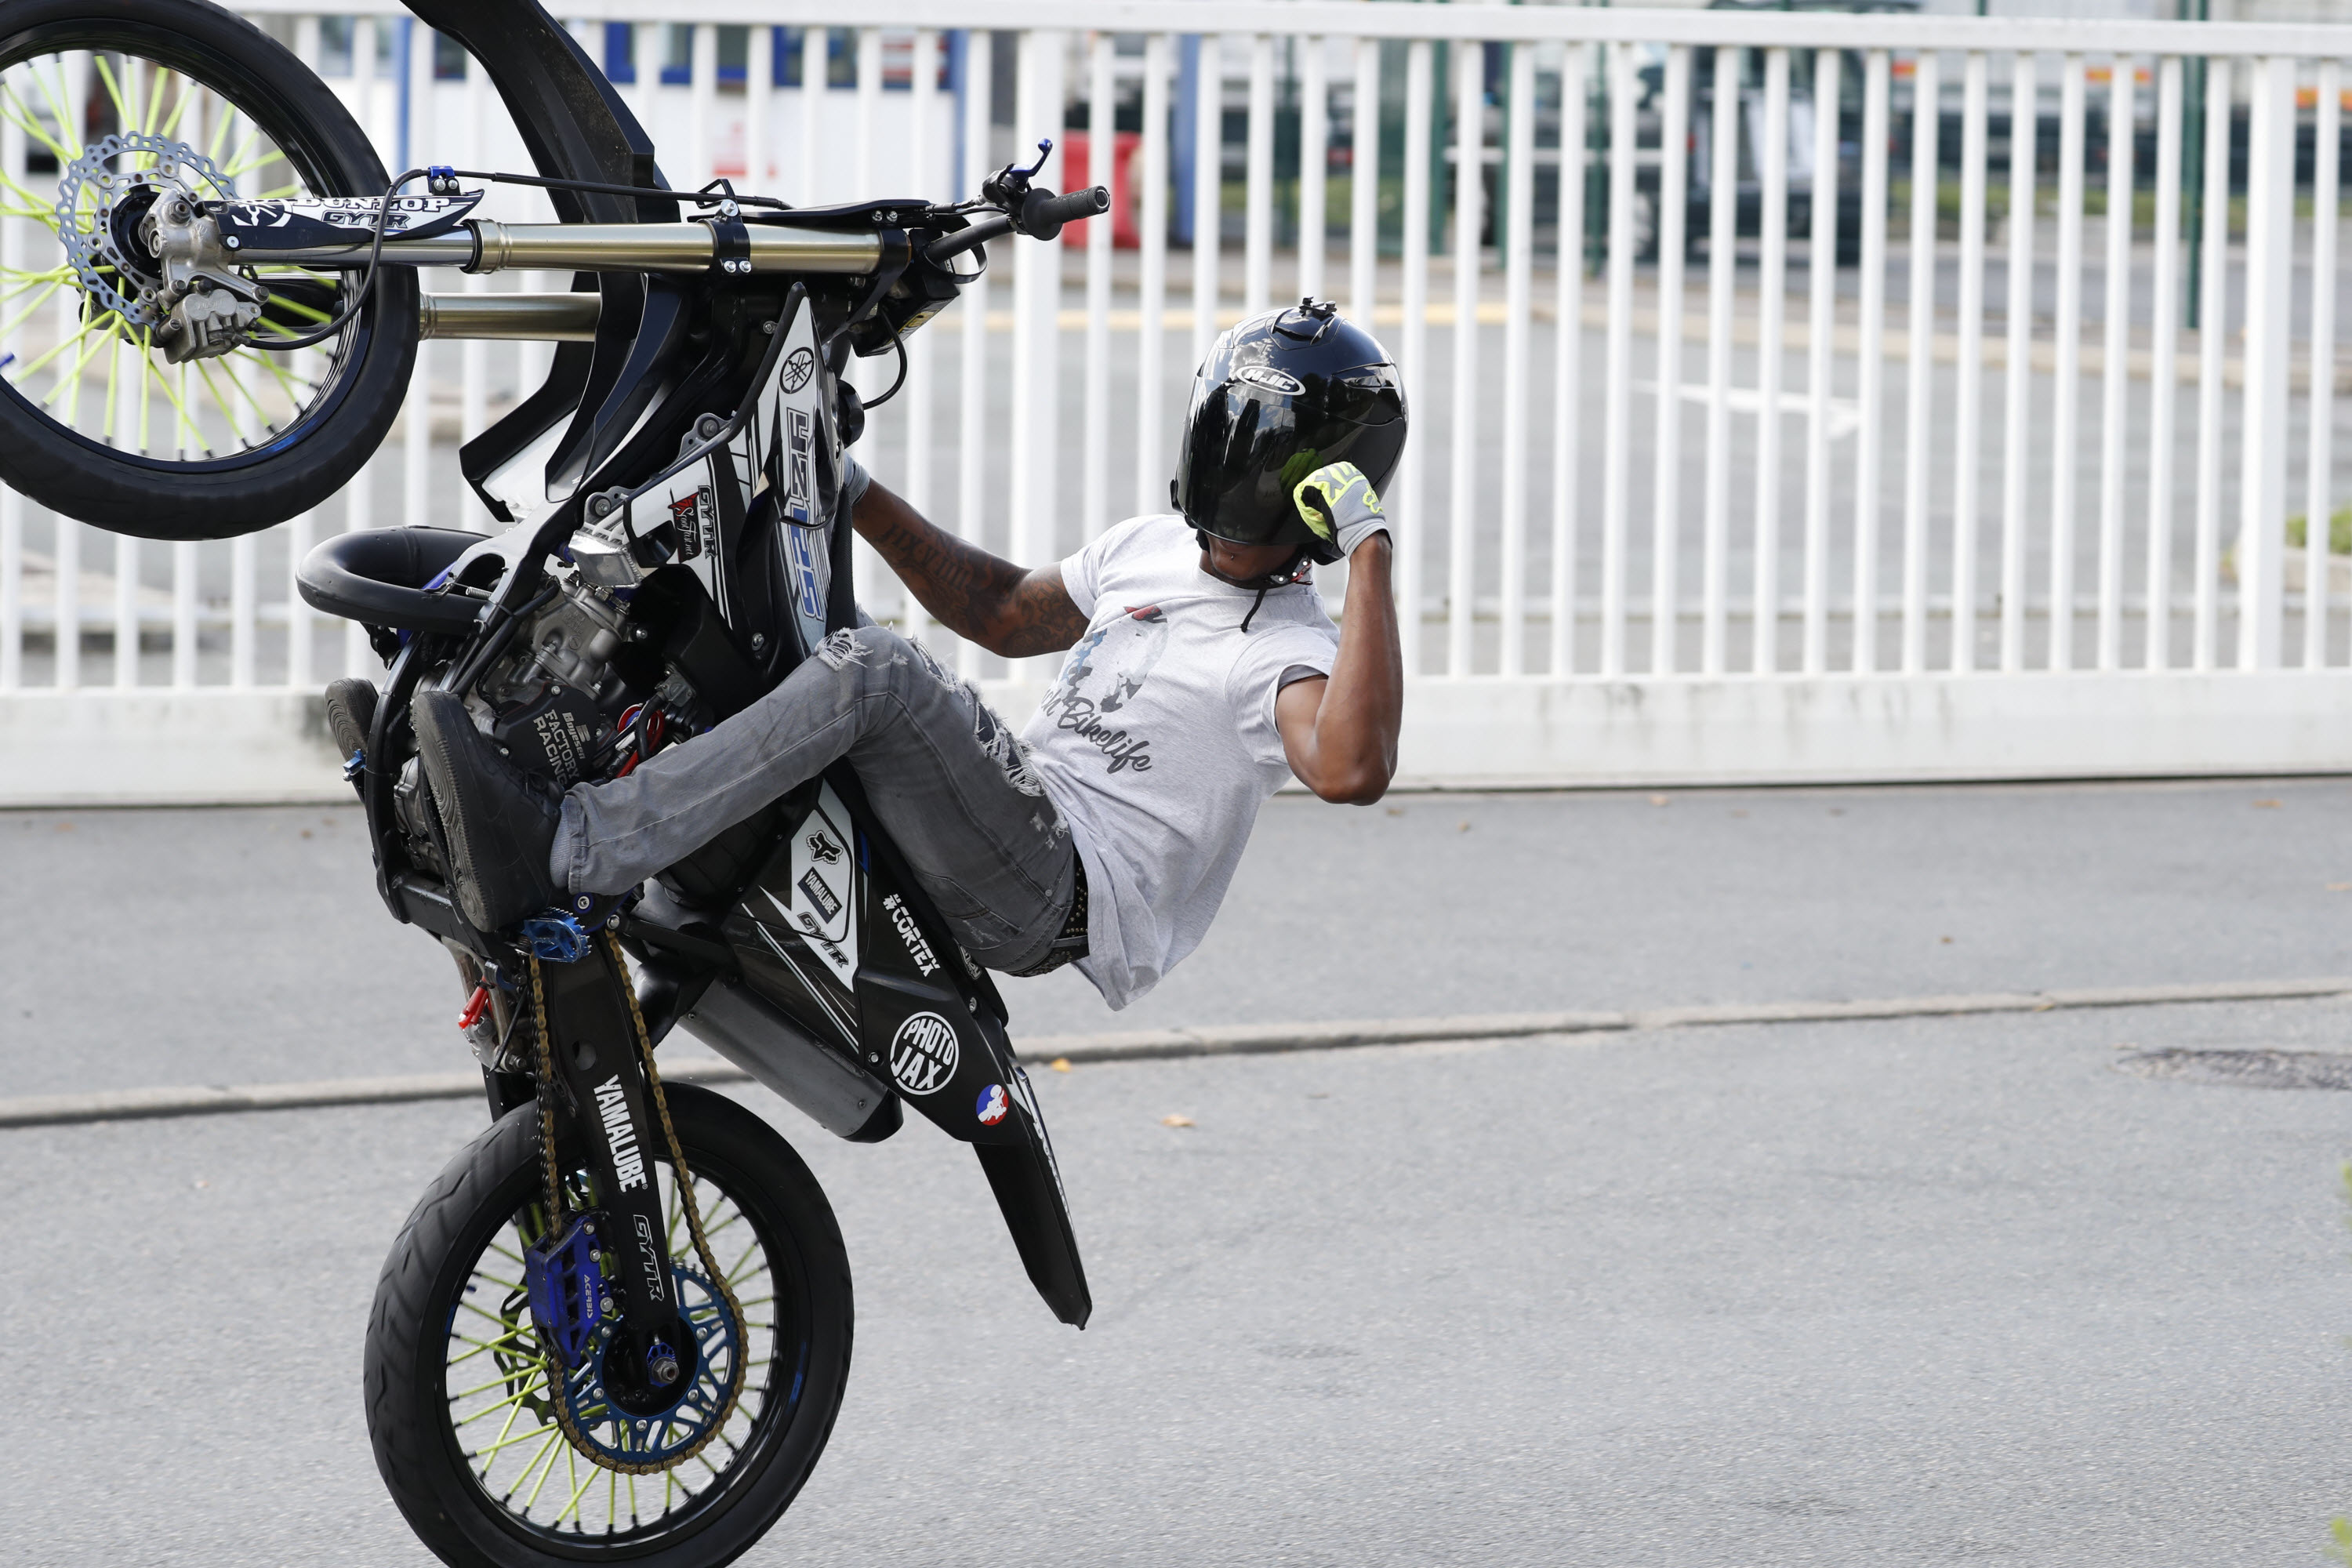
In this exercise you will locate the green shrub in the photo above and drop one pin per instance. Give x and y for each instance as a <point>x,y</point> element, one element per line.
<point>2339,531</point>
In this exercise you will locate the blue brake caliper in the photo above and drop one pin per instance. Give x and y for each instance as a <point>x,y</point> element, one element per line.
<point>567,1288</point>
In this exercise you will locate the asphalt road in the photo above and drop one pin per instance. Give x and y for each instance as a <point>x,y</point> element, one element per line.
<point>177,947</point>
<point>1856,1293</point>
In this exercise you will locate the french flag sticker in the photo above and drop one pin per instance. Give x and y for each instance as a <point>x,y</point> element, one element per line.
<point>993,1106</point>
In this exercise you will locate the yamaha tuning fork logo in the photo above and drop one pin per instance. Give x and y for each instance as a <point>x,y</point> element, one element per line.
<point>923,1054</point>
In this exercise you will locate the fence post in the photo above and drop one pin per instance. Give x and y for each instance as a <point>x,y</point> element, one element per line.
<point>1616,458</point>
<point>1568,355</point>
<point>1414,362</point>
<point>978,66</point>
<point>2270,252</point>
<point>1101,151</point>
<point>702,104</point>
<point>1518,265</point>
<point>1461,508</point>
<point>2318,497</point>
<point>1258,247</point>
<point>1037,305</point>
<point>1208,151</point>
<point>1151,284</point>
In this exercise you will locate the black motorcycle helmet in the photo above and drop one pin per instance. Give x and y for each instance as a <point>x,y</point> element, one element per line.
<point>1280,396</point>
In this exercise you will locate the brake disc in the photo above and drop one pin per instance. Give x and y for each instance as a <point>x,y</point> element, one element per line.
<point>101,209</point>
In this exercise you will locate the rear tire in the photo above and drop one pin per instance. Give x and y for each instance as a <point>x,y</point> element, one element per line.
<point>323,445</point>
<point>427,1280</point>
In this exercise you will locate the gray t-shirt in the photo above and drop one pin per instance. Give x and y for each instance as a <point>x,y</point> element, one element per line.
<point>1158,744</point>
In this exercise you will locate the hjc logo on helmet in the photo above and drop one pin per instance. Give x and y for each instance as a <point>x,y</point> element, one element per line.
<point>1271,379</point>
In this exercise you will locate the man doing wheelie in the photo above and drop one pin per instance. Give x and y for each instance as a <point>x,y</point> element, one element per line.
<point>1203,671</point>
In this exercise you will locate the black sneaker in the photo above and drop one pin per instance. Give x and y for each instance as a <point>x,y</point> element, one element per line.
<point>501,820</point>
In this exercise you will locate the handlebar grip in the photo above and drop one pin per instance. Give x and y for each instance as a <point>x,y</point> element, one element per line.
<point>1043,216</point>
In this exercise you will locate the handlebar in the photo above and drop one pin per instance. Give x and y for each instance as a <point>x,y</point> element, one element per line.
<point>995,227</point>
<point>1042,214</point>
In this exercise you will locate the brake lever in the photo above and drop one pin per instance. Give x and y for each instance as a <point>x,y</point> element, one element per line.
<point>1005,188</point>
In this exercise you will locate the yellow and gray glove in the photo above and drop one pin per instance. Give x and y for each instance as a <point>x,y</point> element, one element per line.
<point>1338,503</point>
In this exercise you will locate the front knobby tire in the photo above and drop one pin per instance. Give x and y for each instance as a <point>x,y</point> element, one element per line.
<point>456,1401</point>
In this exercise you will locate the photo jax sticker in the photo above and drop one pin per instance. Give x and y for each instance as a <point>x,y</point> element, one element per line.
<point>993,1106</point>
<point>923,1054</point>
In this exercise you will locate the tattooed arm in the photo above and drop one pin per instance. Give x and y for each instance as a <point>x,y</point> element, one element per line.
<point>1007,610</point>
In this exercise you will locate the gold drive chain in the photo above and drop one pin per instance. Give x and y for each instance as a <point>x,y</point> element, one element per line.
<point>557,1387</point>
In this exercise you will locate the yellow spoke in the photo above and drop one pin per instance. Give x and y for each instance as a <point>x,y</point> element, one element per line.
<point>515,1399</point>
<point>33,126</point>
<point>511,1442</point>
<point>238,157</point>
<point>111,414</point>
<point>48,209</point>
<point>106,74</point>
<point>532,1501</point>
<point>285,382</point>
<point>511,1414</point>
<point>187,97</point>
<point>493,1317</point>
<point>146,404</point>
<point>71,385</point>
<point>38,301</point>
<point>186,422</point>
<point>500,1343</point>
<point>204,368</point>
<point>247,160</point>
<point>53,88</point>
<point>155,101</point>
<point>70,342</point>
<point>278,193</point>
<point>572,1465</point>
<point>538,1376</point>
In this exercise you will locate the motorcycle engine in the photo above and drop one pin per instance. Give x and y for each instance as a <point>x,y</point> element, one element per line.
<point>552,700</point>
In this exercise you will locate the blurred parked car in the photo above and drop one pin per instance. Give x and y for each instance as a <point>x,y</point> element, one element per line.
<point>1799,129</point>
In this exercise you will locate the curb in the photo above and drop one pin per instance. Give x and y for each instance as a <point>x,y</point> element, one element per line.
<point>1221,1040</point>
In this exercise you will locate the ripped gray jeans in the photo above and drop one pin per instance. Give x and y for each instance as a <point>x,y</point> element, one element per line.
<point>951,782</point>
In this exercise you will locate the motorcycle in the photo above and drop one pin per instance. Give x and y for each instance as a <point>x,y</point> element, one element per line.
<point>618,1326</point>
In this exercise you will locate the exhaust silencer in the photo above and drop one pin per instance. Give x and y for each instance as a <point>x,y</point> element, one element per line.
<point>836,1094</point>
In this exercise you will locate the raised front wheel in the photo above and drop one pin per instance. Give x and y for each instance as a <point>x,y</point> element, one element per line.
<point>141,396</point>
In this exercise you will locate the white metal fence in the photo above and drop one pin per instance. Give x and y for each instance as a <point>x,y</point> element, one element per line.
<point>1793,395</point>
